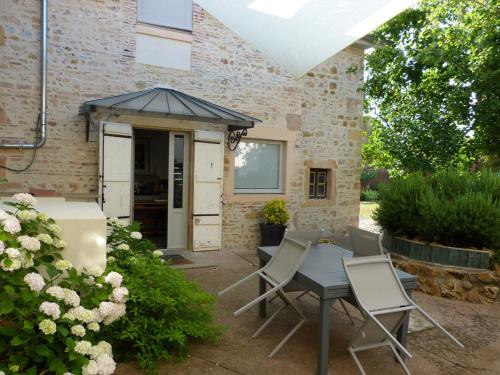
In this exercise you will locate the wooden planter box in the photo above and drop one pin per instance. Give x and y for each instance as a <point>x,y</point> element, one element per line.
<point>438,254</point>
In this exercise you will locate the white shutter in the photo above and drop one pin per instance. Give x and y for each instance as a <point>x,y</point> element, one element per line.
<point>115,170</point>
<point>172,13</point>
<point>208,171</point>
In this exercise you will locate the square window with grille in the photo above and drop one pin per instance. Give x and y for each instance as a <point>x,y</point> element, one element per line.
<point>318,183</point>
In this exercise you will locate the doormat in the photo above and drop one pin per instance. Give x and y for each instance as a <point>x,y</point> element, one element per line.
<point>176,259</point>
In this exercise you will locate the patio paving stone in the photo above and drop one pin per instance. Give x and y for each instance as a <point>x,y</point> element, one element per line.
<point>478,326</point>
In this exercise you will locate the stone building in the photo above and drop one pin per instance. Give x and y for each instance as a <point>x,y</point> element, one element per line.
<point>306,149</point>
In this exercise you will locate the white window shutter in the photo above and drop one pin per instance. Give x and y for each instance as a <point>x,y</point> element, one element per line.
<point>115,169</point>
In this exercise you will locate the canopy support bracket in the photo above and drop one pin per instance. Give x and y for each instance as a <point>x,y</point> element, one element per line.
<point>234,138</point>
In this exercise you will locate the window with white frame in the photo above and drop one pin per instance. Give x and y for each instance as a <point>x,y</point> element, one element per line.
<point>258,167</point>
<point>177,14</point>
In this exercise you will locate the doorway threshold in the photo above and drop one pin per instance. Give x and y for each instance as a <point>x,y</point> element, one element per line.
<point>184,259</point>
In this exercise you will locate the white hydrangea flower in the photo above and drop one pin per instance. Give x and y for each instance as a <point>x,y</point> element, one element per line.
<point>11,225</point>
<point>136,235</point>
<point>51,309</point>
<point>54,228</point>
<point>45,238</point>
<point>94,271</point>
<point>114,279</point>
<point>66,373</point>
<point>12,253</point>
<point>157,253</point>
<point>29,243</point>
<point>70,316</point>
<point>111,259</point>
<point>82,314</point>
<point>10,265</point>
<point>83,347</point>
<point>3,215</point>
<point>63,265</point>
<point>27,259</point>
<point>120,294</point>
<point>106,364</point>
<point>26,215</point>
<point>111,311</point>
<point>78,330</point>
<point>109,249</point>
<point>93,326</point>
<point>2,248</point>
<point>47,326</point>
<point>55,291</point>
<point>35,281</point>
<point>59,243</point>
<point>123,246</point>
<point>71,297</point>
<point>113,220</point>
<point>102,347</point>
<point>90,368</point>
<point>24,198</point>
<point>43,217</point>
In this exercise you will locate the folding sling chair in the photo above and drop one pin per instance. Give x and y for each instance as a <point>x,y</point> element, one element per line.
<point>365,243</point>
<point>277,273</point>
<point>384,304</point>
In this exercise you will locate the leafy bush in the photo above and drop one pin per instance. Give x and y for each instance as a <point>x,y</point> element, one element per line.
<point>456,209</point>
<point>164,312</point>
<point>50,314</point>
<point>275,212</point>
<point>369,195</point>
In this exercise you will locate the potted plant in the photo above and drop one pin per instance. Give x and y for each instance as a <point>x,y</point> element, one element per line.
<point>275,218</point>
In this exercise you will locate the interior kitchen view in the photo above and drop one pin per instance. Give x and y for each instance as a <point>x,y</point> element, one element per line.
<point>151,169</point>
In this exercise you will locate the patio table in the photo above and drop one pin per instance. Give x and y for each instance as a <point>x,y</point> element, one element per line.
<point>322,273</point>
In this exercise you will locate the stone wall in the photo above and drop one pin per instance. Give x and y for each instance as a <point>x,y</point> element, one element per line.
<point>92,55</point>
<point>467,284</point>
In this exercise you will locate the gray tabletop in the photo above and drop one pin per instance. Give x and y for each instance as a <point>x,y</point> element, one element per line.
<point>322,271</point>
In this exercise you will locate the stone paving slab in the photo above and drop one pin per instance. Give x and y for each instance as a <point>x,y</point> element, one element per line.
<point>478,326</point>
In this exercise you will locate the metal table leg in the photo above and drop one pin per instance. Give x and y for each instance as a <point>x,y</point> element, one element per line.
<point>402,334</point>
<point>324,335</point>
<point>262,290</point>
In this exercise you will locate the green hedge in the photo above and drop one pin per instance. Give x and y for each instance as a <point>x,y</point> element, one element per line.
<point>449,207</point>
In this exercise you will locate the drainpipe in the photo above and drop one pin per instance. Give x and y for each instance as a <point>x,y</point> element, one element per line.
<point>42,124</point>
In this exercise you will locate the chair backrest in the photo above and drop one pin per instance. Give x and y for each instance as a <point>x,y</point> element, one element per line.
<point>287,260</point>
<point>364,243</point>
<point>375,283</point>
<point>305,236</point>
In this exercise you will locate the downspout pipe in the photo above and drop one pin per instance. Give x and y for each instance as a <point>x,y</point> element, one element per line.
<point>41,128</point>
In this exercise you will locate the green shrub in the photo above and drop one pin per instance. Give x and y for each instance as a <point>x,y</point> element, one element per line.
<point>275,212</point>
<point>456,209</point>
<point>165,311</point>
<point>50,314</point>
<point>369,195</point>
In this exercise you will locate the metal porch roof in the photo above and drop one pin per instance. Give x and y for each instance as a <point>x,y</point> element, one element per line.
<point>172,104</point>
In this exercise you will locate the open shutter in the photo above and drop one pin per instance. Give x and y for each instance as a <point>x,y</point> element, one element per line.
<point>208,171</point>
<point>115,170</point>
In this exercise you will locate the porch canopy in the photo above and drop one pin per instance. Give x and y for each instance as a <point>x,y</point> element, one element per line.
<point>172,104</point>
<point>300,34</point>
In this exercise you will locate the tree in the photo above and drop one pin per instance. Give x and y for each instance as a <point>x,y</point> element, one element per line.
<point>433,86</point>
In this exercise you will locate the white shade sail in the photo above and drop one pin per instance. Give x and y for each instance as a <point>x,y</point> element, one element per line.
<point>300,34</point>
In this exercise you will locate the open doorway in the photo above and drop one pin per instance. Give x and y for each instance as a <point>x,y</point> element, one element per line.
<point>160,186</point>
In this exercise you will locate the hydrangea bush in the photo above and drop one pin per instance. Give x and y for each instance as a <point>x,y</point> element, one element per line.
<point>50,314</point>
<point>165,311</point>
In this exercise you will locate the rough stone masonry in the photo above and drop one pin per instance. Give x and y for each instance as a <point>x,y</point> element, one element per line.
<point>92,55</point>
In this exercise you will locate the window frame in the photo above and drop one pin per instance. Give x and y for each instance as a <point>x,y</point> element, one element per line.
<point>140,20</point>
<point>281,166</point>
<point>315,172</point>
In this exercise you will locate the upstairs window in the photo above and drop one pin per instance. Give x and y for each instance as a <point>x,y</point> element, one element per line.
<point>177,14</point>
<point>318,183</point>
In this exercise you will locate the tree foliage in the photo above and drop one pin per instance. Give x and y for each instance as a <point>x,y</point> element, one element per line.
<point>433,86</point>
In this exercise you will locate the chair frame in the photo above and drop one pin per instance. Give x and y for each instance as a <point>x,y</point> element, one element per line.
<point>391,341</point>
<point>276,288</point>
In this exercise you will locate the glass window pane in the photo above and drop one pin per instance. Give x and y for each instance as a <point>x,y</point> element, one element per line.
<point>178,171</point>
<point>321,177</point>
<point>321,191</point>
<point>257,166</point>
<point>171,13</point>
<point>311,190</point>
<point>312,177</point>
